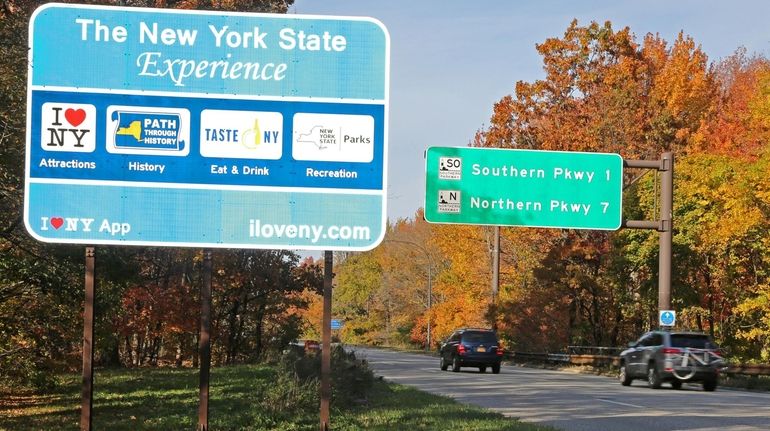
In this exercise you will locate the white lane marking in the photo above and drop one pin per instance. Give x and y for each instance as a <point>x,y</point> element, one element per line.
<point>619,403</point>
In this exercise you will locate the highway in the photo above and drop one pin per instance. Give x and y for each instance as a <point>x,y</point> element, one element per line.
<point>578,402</point>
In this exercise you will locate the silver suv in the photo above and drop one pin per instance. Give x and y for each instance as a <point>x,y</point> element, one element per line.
<point>674,357</point>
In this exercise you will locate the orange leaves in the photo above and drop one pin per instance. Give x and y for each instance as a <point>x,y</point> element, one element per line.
<point>605,92</point>
<point>158,310</point>
<point>740,126</point>
<point>682,81</point>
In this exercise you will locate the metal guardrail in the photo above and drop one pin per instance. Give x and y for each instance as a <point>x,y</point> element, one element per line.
<point>749,370</point>
<point>593,350</point>
<point>613,361</point>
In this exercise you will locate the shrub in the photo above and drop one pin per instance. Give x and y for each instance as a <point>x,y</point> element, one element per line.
<point>298,377</point>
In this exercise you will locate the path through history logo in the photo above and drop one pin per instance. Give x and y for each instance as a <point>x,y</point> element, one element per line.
<point>142,130</point>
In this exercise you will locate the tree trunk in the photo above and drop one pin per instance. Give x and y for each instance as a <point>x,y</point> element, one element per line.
<point>129,352</point>
<point>195,356</point>
<point>178,355</point>
<point>260,317</point>
<point>232,319</point>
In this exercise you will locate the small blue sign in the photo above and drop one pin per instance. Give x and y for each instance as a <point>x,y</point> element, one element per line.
<point>206,129</point>
<point>667,318</point>
<point>336,324</point>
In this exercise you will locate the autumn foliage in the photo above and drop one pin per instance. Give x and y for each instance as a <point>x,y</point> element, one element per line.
<point>603,90</point>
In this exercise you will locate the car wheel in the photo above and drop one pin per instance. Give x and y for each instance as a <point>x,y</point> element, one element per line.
<point>495,368</point>
<point>710,385</point>
<point>676,384</point>
<point>482,369</point>
<point>623,376</point>
<point>456,364</point>
<point>653,379</point>
<point>443,365</point>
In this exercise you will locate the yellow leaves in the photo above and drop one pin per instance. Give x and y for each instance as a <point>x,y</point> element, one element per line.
<point>756,309</point>
<point>714,201</point>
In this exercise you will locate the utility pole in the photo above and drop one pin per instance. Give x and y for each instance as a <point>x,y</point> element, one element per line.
<point>495,265</point>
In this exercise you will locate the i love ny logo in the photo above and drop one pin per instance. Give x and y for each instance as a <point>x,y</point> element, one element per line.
<point>68,127</point>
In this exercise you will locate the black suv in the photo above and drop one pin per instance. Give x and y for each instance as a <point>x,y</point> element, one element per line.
<point>674,357</point>
<point>471,347</point>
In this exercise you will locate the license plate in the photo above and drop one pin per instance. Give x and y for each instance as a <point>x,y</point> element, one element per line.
<point>481,349</point>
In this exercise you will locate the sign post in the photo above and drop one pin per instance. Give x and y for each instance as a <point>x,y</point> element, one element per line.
<point>87,392</point>
<point>492,186</point>
<point>204,347</point>
<point>326,337</point>
<point>206,129</point>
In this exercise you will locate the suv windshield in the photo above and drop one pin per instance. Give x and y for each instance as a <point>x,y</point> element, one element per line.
<point>692,341</point>
<point>479,337</point>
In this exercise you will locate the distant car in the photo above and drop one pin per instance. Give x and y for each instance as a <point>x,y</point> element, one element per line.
<point>471,347</point>
<point>673,357</point>
<point>312,346</point>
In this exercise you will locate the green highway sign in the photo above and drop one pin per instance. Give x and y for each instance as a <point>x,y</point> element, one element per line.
<point>493,186</point>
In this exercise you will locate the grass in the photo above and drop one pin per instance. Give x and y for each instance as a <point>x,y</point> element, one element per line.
<point>401,407</point>
<point>167,399</point>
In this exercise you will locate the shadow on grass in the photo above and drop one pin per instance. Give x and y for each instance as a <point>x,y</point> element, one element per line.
<point>142,399</point>
<point>167,399</point>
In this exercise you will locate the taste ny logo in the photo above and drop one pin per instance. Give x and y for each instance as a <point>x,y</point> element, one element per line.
<point>241,134</point>
<point>68,127</point>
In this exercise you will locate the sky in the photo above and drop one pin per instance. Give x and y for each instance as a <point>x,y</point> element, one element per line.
<point>452,60</point>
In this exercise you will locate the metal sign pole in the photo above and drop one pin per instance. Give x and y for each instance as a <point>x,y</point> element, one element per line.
<point>205,344</point>
<point>495,264</point>
<point>326,338</point>
<point>666,231</point>
<point>87,395</point>
<point>495,272</point>
<point>430,304</point>
<point>665,225</point>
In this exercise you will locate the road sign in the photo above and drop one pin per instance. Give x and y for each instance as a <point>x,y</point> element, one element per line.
<point>492,186</point>
<point>336,324</point>
<point>667,317</point>
<point>206,129</point>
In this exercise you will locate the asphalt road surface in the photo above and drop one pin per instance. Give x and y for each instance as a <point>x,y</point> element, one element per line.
<point>578,402</point>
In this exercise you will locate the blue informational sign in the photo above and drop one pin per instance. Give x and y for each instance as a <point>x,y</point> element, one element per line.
<point>336,324</point>
<point>206,129</point>
<point>667,318</point>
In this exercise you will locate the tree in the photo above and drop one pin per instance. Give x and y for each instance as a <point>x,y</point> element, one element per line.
<point>41,284</point>
<point>605,92</point>
<point>739,126</point>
